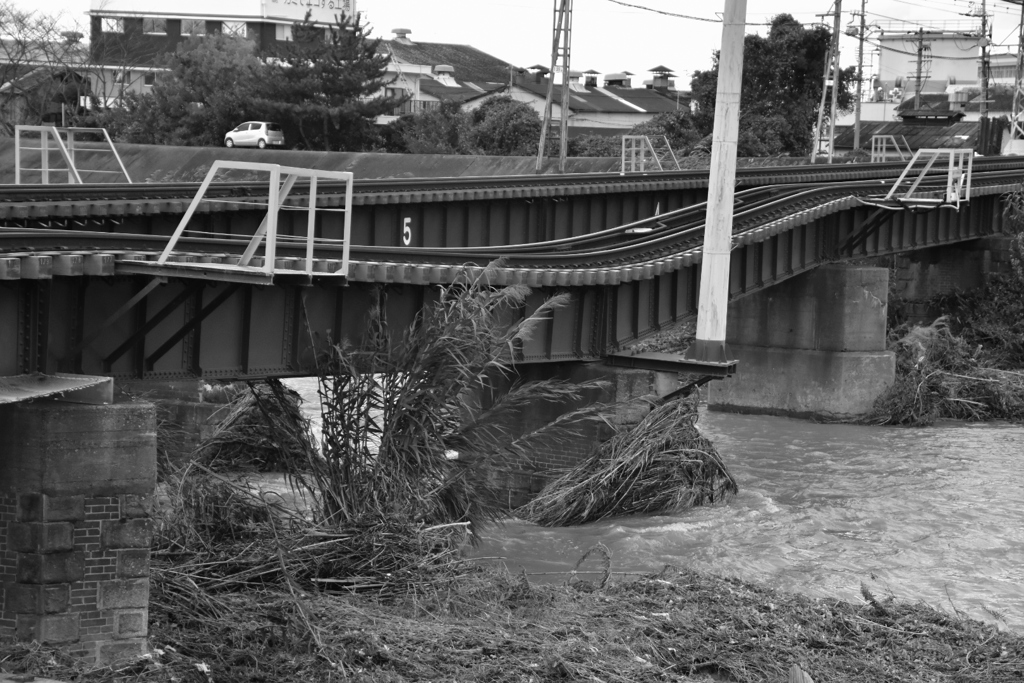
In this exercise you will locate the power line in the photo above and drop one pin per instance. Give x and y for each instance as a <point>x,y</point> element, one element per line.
<point>670,14</point>
<point>914,54</point>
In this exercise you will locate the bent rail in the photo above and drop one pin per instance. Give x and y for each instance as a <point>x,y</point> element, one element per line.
<point>59,288</point>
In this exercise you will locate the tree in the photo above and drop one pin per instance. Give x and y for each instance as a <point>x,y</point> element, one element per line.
<point>504,127</point>
<point>213,83</point>
<point>678,126</point>
<point>781,87</point>
<point>325,86</point>
<point>39,63</point>
<point>445,129</point>
<point>594,145</point>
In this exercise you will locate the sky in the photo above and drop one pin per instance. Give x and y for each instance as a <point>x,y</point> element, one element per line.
<point>608,36</point>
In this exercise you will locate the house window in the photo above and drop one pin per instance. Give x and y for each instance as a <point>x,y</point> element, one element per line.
<point>113,25</point>
<point>149,79</point>
<point>122,76</point>
<point>283,31</point>
<point>154,25</point>
<point>235,28</point>
<point>193,27</point>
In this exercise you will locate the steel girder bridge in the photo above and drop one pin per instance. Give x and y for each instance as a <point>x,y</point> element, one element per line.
<point>89,285</point>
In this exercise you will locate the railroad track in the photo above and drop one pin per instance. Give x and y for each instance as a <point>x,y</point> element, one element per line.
<point>673,238</point>
<point>71,199</point>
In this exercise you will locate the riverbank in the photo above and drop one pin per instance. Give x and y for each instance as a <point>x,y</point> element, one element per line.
<point>484,624</point>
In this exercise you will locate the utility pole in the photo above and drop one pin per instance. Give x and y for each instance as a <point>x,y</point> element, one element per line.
<point>985,65</point>
<point>835,80</point>
<point>1017,120</point>
<point>860,77</point>
<point>709,346</point>
<point>831,66</point>
<point>560,43</point>
<point>920,59</point>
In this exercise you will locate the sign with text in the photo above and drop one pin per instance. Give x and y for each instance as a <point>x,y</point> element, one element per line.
<point>321,11</point>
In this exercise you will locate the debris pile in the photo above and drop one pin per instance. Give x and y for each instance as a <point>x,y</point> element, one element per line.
<point>661,465</point>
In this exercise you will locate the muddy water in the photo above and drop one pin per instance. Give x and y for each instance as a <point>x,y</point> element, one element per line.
<point>933,514</point>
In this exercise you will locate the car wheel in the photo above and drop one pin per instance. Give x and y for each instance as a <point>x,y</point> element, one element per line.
<point>262,144</point>
<point>228,142</point>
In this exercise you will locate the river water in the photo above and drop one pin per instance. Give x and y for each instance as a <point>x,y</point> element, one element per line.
<point>931,514</point>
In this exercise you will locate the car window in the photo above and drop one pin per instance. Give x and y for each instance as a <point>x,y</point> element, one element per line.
<point>274,127</point>
<point>254,126</point>
<point>244,126</point>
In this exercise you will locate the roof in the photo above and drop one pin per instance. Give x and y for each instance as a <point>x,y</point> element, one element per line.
<point>603,100</point>
<point>463,93</point>
<point>1000,99</point>
<point>929,101</point>
<point>470,64</point>
<point>962,134</point>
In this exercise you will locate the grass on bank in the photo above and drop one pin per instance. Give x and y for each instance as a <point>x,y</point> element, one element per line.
<point>969,363</point>
<point>484,624</point>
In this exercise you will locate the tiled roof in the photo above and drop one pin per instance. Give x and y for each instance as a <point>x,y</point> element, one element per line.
<point>463,93</point>
<point>470,64</point>
<point>963,134</point>
<point>584,99</point>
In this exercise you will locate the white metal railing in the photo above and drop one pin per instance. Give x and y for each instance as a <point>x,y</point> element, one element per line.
<point>62,140</point>
<point>641,153</point>
<point>956,190</point>
<point>266,233</point>
<point>880,148</point>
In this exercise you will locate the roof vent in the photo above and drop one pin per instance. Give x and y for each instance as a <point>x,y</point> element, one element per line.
<point>445,75</point>
<point>402,35</point>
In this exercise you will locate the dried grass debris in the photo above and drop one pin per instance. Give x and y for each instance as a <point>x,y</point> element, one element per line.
<point>661,465</point>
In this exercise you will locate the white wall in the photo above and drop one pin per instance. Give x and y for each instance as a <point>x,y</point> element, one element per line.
<point>227,10</point>
<point>956,56</point>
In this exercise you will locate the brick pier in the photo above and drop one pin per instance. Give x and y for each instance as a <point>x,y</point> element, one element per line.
<point>76,488</point>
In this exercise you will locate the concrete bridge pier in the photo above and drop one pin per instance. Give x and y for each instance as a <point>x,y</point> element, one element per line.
<point>812,346</point>
<point>76,491</point>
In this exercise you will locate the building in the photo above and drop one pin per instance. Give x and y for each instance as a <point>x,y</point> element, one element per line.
<point>431,73</point>
<point>611,109</point>
<point>129,36</point>
<point>927,58</point>
<point>949,54</point>
<point>40,80</point>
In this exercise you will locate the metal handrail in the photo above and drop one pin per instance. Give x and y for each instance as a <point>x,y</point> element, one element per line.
<point>67,152</point>
<point>266,233</point>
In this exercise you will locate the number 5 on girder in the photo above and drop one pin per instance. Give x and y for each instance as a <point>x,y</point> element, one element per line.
<point>406,231</point>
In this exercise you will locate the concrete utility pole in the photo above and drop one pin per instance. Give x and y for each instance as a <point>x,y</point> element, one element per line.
<point>712,307</point>
<point>860,76</point>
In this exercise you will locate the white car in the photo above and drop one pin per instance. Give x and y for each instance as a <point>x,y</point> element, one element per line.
<point>255,134</point>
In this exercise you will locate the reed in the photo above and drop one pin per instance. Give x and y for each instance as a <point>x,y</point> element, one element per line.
<point>661,465</point>
<point>941,375</point>
<point>415,419</point>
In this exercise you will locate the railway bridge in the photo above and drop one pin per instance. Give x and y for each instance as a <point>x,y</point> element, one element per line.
<point>104,281</point>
